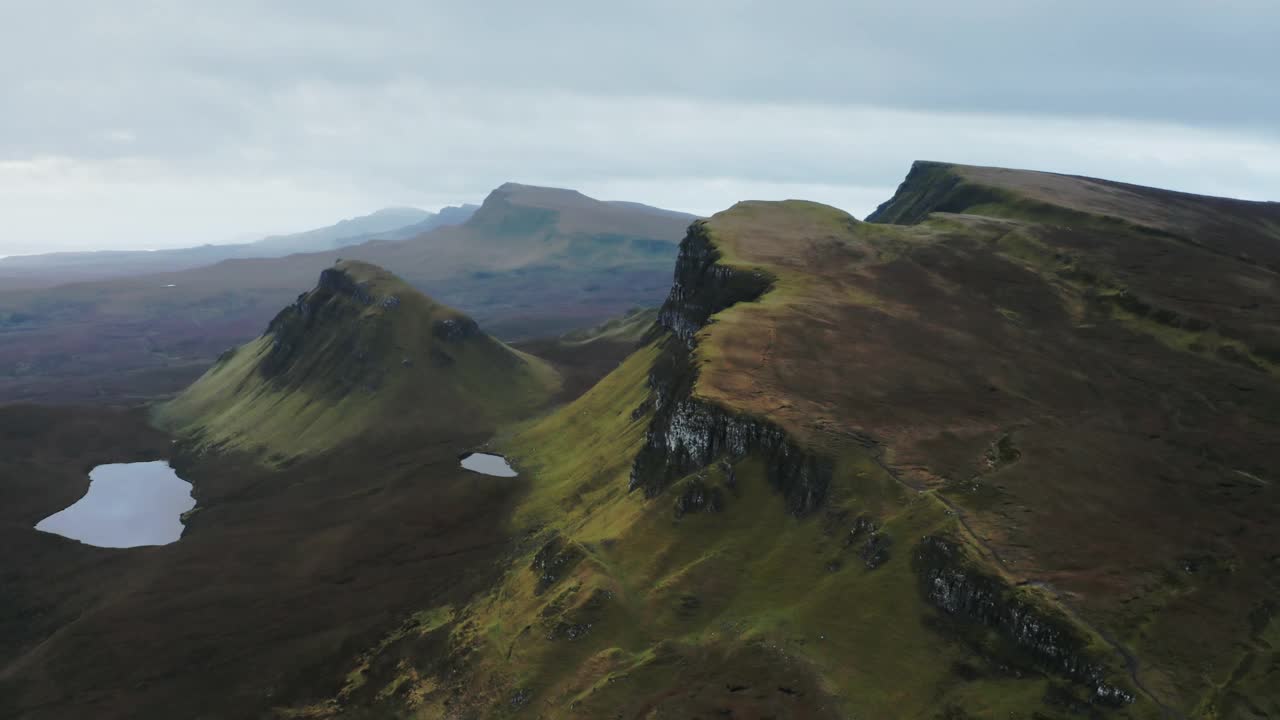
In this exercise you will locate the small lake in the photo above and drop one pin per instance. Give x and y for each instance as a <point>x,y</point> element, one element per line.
<point>495,465</point>
<point>128,505</point>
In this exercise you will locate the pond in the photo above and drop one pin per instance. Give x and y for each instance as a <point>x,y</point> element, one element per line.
<point>128,505</point>
<point>495,465</point>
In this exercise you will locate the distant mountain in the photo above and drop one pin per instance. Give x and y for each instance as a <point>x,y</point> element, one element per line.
<point>452,215</point>
<point>531,261</point>
<point>351,231</point>
<point>52,269</point>
<point>360,352</point>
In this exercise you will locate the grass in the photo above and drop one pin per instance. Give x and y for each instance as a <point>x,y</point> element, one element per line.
<point>905,354</point>
<point>751,596</point>
<point>359,366</point>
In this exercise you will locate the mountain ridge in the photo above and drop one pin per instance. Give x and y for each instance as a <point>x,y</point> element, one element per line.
<point>360,350</point>
<point>524,272</point>
<point>944,468</point>
<point>1012,456</point>
<point>30,272</point>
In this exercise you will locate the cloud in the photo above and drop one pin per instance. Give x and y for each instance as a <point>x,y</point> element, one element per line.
<point>149,125</point>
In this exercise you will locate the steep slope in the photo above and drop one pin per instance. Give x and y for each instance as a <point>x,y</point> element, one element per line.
<point>532,262</point>
<point>361,352</point>
<point>583,357</point>
<point>1002,463</point>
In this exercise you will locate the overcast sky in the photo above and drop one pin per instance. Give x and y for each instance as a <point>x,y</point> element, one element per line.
<point>132,124</point>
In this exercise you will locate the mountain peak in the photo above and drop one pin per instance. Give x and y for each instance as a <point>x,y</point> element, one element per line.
<point>360,350</point>
<point>538,196</point>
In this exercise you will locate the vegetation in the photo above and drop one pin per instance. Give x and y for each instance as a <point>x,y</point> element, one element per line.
<point>1046,486</point>
<point>362,350</point>
<point>531,263</point>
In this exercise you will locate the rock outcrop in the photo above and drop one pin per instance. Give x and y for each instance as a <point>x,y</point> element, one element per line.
<point>455,329</point>
<point>970,596</point>
<point>703,286</point>
<point>688,433</point>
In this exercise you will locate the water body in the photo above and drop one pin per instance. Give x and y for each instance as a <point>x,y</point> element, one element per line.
<point>488,464</point>
<point>128,505</point>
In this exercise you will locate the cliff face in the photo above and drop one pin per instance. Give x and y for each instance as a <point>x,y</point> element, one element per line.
<point>930,187</point>
<point>688,433</point>
<point>969,596</point>
<point>703,286</point>
<point>337,297</point>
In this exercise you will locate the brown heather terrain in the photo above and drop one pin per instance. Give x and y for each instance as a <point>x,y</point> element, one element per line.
<point>1006,451</point>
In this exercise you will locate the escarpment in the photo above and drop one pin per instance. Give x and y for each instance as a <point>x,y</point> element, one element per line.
<point>688,433</point>
<point>928,188</point>
<point>337,298</point>
<point>703,286</point>
<point>955,586</point>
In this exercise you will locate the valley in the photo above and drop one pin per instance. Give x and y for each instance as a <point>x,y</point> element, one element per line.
<point>529,263</point>
<point>1004,449</point>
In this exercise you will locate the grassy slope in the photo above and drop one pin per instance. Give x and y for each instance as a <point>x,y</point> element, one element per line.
<point>363,365</point>
<point>1117,474</point>
<point>707,612</point>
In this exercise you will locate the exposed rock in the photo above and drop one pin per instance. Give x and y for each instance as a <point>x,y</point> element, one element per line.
<point>520,698</point>
<point>876,550</point>
<point>568,631</point>
<point>336,280</point>
<point>1002,452</point>
<point>955,586</point>
<point>686,433</point>
<point>455,329</point>
<point>698,496</point>
<point>552,560</point>
<point>703,287</point>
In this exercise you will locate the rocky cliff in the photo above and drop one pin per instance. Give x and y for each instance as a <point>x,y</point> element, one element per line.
<point>970,596</point>
<point>931,187</point>
<point>688,433</point>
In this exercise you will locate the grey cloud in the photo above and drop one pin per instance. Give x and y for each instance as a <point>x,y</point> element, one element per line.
<point>326,106</point>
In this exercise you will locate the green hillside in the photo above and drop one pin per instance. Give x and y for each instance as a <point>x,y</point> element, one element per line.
<point>1008,451</point>
<point>361,351</point>
<point>995,463</point>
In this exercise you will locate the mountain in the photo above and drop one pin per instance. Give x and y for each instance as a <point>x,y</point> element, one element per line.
<point>30,272</point>
<point>530,262</point>
<point>1007,451</point>
<point>1012,457</point>
<point>352,231</point>
<point>361,350</point>
<point>453,215</point>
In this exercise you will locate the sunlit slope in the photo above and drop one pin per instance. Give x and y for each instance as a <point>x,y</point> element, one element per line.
<point>362,352</point>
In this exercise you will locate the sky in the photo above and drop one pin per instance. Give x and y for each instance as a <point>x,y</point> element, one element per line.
<point>144,124</point>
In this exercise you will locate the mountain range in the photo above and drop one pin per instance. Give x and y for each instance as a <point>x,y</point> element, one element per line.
<point>28,272</point>
<point>1006,449</point>
<point>529,261</point>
